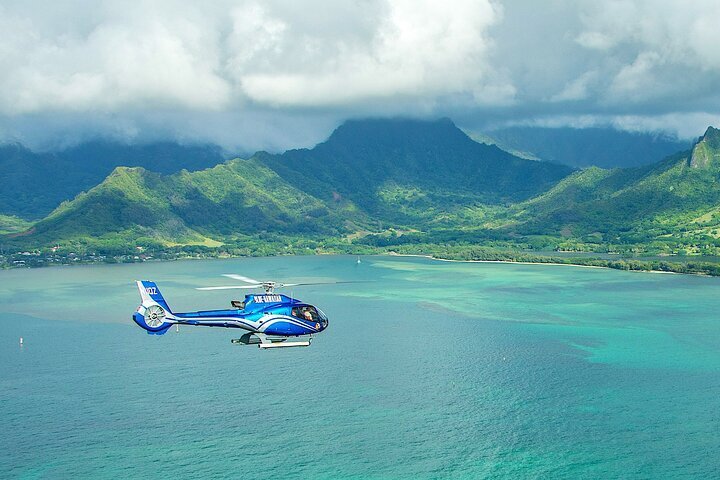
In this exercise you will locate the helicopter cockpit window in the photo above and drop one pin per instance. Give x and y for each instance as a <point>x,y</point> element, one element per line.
<point>306,312</point>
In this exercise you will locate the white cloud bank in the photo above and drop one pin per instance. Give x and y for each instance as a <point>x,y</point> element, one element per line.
<point>273,73</point>
<point>222,56</point>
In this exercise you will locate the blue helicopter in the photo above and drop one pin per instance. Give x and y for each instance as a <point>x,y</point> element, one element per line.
<point>270,319</point>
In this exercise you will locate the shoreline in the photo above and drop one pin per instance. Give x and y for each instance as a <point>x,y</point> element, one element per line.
<point>631,265</point>
<point>439,259</point>
<point>578,265</point>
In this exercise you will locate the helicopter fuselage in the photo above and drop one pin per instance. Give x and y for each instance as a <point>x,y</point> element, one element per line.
<point>267,315</point>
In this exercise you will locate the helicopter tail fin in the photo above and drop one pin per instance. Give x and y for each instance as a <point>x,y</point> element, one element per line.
<point>153,314</point>
<point>150,294</point>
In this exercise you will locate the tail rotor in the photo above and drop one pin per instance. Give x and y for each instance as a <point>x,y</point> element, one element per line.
<point>154,316</point>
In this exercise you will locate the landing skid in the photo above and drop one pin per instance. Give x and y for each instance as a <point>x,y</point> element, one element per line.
<point>285,344</point>
<point>263,341</point>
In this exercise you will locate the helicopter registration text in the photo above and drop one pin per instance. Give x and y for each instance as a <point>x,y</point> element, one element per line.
<point>267,298</point>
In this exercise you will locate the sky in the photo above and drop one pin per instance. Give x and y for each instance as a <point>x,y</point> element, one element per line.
<point>273,75</point>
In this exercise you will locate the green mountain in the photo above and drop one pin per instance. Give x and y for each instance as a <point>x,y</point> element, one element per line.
<point>33,183</point>
<point>236,198</point>
<point>369,175</point>
<point>406,171</point>
<point>405,184</point>
<point>674,201</point>
<point>585,147</point>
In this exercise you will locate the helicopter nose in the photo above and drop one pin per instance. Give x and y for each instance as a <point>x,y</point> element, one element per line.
<point>322,320</point>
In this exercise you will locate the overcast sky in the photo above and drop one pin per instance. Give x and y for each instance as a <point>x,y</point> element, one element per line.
<point>280,74</point>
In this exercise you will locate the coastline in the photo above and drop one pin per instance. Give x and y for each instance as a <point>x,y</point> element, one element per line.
<point>440,259</point>
<point>557,264</point>
<point>463,253</point>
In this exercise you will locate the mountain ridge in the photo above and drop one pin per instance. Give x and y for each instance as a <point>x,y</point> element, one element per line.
<point>397,183</point>
<point>367,173</point>
<point>406,155</point>
<point>707,149</point>
<point>34,183</point>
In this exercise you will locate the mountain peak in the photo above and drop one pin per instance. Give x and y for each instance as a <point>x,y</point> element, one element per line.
<point>381,131</point>
<point>712,134</point>
<point>707,149</point>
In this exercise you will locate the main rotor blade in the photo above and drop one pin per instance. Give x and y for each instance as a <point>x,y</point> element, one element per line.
<point>277,285</point>
<point>241,278</point>
<point>320,283</point>
<point>228,287</point>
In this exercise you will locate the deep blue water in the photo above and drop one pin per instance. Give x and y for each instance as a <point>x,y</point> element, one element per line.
<point>433,370</point>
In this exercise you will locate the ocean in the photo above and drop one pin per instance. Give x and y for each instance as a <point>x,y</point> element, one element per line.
<point>428,369</point>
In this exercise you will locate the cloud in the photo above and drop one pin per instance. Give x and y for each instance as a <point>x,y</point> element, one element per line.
<point>123,61</point>
<point>681,125</point>
<point>654,51</point>
<point>418,49</point>
<point>251,74</point>
<point>263,53</point>
<point>576,89</point>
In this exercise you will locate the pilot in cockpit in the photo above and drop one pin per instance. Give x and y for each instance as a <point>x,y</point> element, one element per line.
<point>306,313</point>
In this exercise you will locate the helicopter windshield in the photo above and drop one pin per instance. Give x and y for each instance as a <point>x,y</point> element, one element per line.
<point>310,314</point>
<point>323,318</point>
<point>305,312</point>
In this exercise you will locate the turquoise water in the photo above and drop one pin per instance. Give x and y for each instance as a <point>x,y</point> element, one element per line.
<point>433,370</point>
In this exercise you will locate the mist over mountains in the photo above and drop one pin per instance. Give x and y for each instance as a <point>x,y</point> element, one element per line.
<point>587,147</point>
